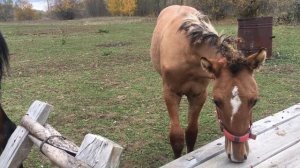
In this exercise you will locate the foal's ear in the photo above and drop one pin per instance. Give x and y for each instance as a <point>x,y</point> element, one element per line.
<point>257,59</point>
<point>211,66</point>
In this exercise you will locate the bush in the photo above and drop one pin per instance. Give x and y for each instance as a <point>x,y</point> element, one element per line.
<point>122,7</point>
<point>23,11</point>
<point>65,9</point>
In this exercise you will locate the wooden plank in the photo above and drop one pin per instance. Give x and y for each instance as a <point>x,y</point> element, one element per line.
<point>99,152</point>
<point>217,147</point>
<point>267,145</point>
<point>58,157</point>
<point>19,145</point>
<point>289,158</point>
<point>198,156</point>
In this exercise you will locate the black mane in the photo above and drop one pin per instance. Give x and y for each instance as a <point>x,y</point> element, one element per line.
<point>4,56</point>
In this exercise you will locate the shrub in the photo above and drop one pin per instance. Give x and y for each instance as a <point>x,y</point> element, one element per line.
<point>121,7</point>
<point>64,9</point>
<point>23,10</point>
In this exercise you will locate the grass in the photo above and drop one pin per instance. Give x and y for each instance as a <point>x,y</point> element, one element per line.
<point>98,76</point>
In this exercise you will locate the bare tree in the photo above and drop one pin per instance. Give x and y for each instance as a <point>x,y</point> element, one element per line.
<point>6,10</point>
<point>96,8</point>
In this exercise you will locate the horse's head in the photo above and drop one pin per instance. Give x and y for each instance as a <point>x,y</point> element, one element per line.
<point>235,93</point>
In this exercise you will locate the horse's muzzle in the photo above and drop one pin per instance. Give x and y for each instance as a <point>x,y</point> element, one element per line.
<point>236,151</point>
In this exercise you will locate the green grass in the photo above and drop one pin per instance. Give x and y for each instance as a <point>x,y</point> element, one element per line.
<point>98,76</point>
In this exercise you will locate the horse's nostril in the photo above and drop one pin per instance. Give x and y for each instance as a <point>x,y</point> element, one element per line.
<point>229,156</point>
<point>245,157</point>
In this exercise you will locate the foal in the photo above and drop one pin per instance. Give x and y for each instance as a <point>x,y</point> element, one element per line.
<point>187,51</point>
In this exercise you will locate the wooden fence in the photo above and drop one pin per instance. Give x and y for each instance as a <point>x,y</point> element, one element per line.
<point>95,151</point>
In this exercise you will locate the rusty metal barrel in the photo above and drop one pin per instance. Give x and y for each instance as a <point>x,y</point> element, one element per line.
<point>255,33</point>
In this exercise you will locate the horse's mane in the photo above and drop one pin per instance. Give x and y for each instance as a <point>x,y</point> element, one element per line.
<point>228,49</point>
<point>199,30</point>
<point>4,56</point>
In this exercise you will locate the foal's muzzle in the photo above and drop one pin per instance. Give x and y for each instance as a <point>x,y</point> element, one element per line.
<point>237,147</point>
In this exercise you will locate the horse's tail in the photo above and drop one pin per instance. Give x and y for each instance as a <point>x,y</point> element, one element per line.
<point>4,57</point>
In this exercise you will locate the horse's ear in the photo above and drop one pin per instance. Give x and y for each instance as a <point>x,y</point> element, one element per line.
<point>211,66</point>
<point>257,59</point>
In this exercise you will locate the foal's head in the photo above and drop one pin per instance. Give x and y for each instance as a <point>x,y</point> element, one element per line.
<point>235,93</point>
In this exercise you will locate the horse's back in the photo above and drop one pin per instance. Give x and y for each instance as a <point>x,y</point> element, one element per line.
<point>166,36</point>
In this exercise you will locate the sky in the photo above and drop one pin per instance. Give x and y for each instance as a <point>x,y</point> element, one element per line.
<point>39,4</point>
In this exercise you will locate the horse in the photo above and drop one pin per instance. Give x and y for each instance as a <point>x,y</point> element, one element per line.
<point>188,53</point>
<point>7,127</point>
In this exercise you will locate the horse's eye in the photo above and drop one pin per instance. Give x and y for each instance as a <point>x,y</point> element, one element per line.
<point>217,102</point>
<point>253,102</point>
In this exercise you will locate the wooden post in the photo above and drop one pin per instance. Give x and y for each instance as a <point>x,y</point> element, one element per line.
<point>19,145</point>
<point>99,152</point>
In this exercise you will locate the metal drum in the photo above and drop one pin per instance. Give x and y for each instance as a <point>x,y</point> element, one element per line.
<point>256,33</point>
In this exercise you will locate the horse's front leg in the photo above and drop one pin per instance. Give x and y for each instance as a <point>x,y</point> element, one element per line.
<point>176,133</point>
<point>195,105</point>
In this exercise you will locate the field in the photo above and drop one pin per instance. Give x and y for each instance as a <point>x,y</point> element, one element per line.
<point>98,76</point>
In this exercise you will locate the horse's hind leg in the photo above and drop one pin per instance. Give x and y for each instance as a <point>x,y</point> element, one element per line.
<point>176,133</point>
<point>195,105</point>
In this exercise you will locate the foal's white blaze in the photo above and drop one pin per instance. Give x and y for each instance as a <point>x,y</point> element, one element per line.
<point>235,101</point>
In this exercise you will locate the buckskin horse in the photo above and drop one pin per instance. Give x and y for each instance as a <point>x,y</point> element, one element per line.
<point>7,127</point>
<point>187,52</point>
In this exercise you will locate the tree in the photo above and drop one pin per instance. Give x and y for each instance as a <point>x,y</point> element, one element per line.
<point>128,7</point>
<point>96,7</point>
<point>149,7</point>
<point>64,9</point>
<point>6,10</point>
<point>216,9</point>
<point>24,11</point>
<point>122,7</point>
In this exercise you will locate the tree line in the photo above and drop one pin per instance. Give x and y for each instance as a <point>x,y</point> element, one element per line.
<point>217,9</point>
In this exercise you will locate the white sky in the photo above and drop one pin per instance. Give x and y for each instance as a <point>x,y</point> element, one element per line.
<point>39,4</point>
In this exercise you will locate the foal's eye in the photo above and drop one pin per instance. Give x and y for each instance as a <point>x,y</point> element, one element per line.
<point>252,102</point>
<point>217,102</point>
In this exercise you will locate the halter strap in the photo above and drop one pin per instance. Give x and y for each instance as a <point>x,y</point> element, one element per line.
<point>235,138</point>
<point>242,138</point>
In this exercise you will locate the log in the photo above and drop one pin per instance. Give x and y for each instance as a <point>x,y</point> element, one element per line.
<point>38,131</point>
<point>19,145</point>
<point>59,157</point>
<point>99,152</point>
<point>52,130</point>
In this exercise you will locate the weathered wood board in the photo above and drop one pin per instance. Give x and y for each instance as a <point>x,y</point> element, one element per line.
<point>19,145</point>
<point>289,158</point>
<point>99,152</point>
<point>277,133</point>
